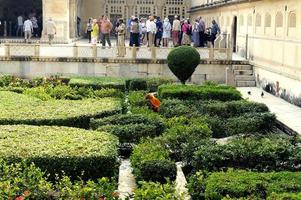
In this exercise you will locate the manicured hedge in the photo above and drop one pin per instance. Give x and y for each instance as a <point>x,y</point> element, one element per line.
<point>130,133</point>
<point>262,153</point>
<point>199,92</point>
<point>64,92</point>
<point>147,84</point>
<point>151,162</point>
<point>130,119</point>
<point>228,109</point>
<point>137,99</point>
<point>57,149</point>
<point>250,123</point>
<point>24,181</point>
<point>183,131</point>
<point>98,82</point>
<point>244,184</point>
<point>21,109</point>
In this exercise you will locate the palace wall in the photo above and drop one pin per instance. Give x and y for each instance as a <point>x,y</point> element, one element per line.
<point>268,33</point>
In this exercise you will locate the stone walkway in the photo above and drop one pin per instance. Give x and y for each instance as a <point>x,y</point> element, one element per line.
<point>126,182</point>
<point>286,113</point>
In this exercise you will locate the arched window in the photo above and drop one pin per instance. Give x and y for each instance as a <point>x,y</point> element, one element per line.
<point>250,21</point>
<point>279,20</point>
<point>292,20</point>
<point>267,20</point>
<point>258,20</point>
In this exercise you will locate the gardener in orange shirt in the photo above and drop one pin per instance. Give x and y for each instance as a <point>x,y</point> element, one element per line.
<point>154,102</point>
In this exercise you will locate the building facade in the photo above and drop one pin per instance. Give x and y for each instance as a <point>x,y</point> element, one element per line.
<point>268,33</point>
<point>65,12</point>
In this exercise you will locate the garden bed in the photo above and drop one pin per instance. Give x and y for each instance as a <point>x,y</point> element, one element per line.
<point>22,109</point>
<point>57,149</point>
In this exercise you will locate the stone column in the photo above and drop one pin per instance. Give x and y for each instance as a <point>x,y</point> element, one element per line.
<point>58,10</point>
<point>72,18</point>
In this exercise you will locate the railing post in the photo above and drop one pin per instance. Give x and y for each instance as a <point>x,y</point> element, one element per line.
<point>154,53</point>
<point>229,53</point>
<point>75,50</point>
<point>134,53</point>
<point>211,53</point>
<point>7,50</point>
<point>37,50</point>
<point>94,49</point>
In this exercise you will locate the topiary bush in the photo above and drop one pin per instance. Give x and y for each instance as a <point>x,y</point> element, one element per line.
<point>183,61</point>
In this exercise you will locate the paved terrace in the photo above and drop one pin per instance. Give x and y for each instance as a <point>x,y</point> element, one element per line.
<point>286,113</point>
<point>83,50</point>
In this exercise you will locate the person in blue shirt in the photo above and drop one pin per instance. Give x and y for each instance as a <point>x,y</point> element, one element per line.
<point>159,33</point>
<point>214,31</point>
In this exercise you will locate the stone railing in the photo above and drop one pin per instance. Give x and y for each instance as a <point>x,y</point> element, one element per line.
<point>98,52</point>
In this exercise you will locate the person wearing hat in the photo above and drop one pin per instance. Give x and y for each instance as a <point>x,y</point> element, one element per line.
<point>176,28</point>
<point>166,32</point>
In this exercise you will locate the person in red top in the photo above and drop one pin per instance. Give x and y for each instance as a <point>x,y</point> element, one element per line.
<point>153,101</point>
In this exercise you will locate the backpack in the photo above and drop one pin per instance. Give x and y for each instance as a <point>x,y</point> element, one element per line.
<point>189,30</point>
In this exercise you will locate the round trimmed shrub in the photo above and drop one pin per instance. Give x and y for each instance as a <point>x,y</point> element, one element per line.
<point>183,61</point>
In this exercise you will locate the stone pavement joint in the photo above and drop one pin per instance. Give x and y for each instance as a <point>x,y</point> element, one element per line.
<point>287,114</point>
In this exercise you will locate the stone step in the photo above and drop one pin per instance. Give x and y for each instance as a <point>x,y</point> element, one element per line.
<point>245,83</point>
<point>243,72</point>
<point>244,78</point>
<point>242,67</point>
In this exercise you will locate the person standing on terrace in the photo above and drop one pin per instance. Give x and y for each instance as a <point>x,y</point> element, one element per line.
<point>95,32</point>
<point>106,28</point>
<point>176,28</point>
<point>121,30</point>
<point>50,30</point>
<point>28,30</point>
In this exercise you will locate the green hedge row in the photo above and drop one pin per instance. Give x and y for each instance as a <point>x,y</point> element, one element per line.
<point>244,123</point>
<point>98,82</point>
<point>24,181</point>
<point>130,128</point>
<point>151,162</point>
<point>130,133</point>
<point>235,184</point>
<point>21,109</point>
<point>64,92</point>
<point>262,153</point>
<point>146,84</point>
<point>57,149</point>
<point>199,92</point>
<point>182,132</point>
<point>137,99</point>
<point>212,108</point>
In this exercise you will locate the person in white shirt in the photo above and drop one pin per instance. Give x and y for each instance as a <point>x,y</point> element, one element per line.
<point>176,28</point>
<point>28,30</point>
<point>20,26</point>
<point>151,28</point>
<point>50,30</point>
